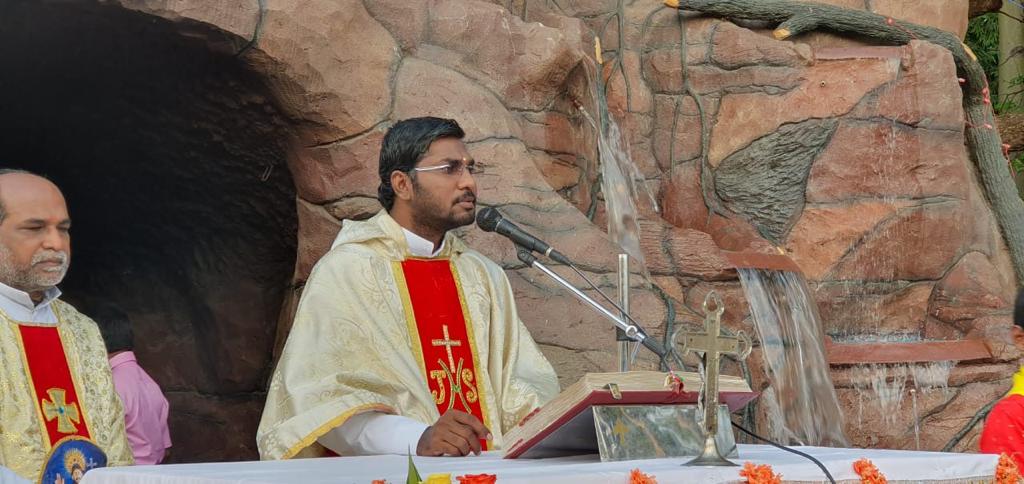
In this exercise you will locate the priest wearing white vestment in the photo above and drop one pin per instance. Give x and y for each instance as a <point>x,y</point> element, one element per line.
<point>406,340</point>
<point>55,382</point>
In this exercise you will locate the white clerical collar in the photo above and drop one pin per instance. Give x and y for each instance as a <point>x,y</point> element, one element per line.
<point>420,247</point>
<point>19,305</point>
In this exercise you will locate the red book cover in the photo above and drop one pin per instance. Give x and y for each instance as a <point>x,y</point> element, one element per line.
<point>564,426</point>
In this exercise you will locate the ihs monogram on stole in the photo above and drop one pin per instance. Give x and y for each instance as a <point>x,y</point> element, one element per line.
<point>442,335</point>
<point>454,375</point>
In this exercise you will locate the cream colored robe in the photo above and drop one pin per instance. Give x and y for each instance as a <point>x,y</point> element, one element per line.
<point>22,445</point>
<point>350,351</point>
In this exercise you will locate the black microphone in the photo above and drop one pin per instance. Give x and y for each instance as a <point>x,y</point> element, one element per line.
<point>489,220</point>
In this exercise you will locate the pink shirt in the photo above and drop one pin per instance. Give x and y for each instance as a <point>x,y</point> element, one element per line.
<point>145,409</point>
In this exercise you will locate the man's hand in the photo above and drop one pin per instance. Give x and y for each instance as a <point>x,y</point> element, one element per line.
<point>455,433</point>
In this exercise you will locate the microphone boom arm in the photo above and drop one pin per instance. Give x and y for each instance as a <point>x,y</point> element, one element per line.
<point>632,331</point>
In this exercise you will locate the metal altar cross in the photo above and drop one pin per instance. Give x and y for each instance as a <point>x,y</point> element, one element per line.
<point>713,345</point>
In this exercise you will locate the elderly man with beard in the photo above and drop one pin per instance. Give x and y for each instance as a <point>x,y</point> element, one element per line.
<point>55,383</point>
<point>405,339</point>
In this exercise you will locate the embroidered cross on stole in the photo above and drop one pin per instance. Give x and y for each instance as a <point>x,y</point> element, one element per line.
<point>46,367</point>
<point>442,335</point>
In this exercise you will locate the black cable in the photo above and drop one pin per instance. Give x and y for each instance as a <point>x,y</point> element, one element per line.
<point>787,449</point>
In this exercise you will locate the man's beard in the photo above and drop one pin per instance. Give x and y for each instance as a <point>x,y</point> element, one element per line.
<point>32,278</point>
<point>432,213</point>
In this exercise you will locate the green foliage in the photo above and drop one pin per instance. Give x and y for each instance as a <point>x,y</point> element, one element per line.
<point>414,475</point>
<point>1018,163</point>
<point>983,38</point>
<point>1012,100</point>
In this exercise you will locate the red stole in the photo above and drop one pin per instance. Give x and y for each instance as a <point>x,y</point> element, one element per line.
<point>442,334</point>
<point>46,366</point>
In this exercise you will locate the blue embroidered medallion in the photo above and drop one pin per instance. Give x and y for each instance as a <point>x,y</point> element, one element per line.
<point>70,459</point>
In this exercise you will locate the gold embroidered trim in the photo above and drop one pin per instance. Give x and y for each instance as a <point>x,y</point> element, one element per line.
<point>61,328</point>
<point>410,316</point>
<point>468,321</point>
<point>332,423</point>
<point>31,385</point>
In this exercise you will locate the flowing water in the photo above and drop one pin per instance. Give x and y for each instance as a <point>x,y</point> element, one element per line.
<point>886,386</point>
<point>802,404</point>
<point>623,185</point>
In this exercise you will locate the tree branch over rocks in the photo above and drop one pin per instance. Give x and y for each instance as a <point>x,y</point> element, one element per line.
<point>794,18</point>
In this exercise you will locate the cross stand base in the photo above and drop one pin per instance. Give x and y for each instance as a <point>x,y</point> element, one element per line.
<point>710,456</point>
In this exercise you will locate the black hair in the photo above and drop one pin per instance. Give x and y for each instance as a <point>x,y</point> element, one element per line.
<point>405,144</point>
<point>115,327</point>
<point>1018,310</point>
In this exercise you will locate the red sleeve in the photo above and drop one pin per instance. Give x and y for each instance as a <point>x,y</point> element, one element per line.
<point>1004,429</point>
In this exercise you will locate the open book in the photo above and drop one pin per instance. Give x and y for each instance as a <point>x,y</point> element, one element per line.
<point>565,425</point>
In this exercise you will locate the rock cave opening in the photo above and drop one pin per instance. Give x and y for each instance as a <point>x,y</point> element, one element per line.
<point>171,156</point>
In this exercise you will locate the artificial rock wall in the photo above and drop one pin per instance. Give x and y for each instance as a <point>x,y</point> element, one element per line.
<point>849,158</point>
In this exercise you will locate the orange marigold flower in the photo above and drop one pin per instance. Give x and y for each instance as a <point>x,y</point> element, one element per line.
<point>869,474</point>
<point>477,479</point>
<point>378,481</point>
<point>1007,471</point>
<point>637,477</point>
<point>760,474</point>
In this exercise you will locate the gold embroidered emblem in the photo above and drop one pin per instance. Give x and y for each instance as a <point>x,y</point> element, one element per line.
<point>455,375</point>
<point>447,342</point>
<point>56,408</point>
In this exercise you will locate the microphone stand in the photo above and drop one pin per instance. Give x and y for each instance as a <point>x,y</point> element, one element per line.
<point>631,330</point>
<point>620,336</point>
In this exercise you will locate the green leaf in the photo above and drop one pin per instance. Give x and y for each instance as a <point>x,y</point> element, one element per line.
<point>983,38</point>
<point>414,475</point>
<point>1018,164</point>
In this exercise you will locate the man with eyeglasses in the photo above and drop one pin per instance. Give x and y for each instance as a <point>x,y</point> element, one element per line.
<point>405,340</point>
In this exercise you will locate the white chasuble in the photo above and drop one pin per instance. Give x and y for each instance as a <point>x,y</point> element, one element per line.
<point>377,330</point>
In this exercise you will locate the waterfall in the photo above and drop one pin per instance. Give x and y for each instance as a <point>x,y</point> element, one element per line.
<point>622,184</point>
<point>802,397</point>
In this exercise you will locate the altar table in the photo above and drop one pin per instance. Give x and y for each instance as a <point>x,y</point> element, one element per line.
<point>897,466</point>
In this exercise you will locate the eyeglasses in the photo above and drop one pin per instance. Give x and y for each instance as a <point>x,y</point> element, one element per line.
<point>454,168</point>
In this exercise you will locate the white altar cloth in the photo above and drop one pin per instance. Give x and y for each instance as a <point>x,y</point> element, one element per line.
<point>928,467</point>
